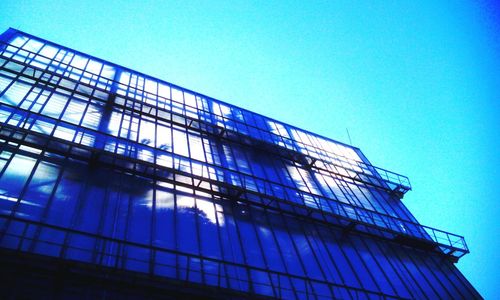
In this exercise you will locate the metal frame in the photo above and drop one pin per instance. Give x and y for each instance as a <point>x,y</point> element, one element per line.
<point>311,167</point>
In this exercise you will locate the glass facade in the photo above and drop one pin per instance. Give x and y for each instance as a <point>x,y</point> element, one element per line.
<point>107,167</point>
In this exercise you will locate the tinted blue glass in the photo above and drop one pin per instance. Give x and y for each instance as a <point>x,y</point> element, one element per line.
<point>345,268</point>
<point>90,207</point>
<point>38,191</point>
<point>165,264</point>
<point>268,242</point>
<point>159,189</point>
<point>379,275</point>
<point>440,285</point>
<point>164,227</point>
<point>250,244</point>
<point>386,264</point>
<point>364,275</point>
<point>80,247</point>
<point>261,283</point>
<point>137,258</point>
<point>14,232</point>
<point>49,241</point>
<point>187,233</point>
<point>139,215</point>
<point>421,282</point>
<point>213,273</point>
<point>283,287</point>
<point>62,205</point>
<point>13,179</point>
<point>231,243</point>
<point>324,257</point>
<point>238,278</point>
<point>457,279</point>
<point>302,246</point>
<point>208,228</point>
<point>290,256</point>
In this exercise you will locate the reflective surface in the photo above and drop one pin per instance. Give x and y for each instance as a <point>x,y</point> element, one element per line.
<point>108,166</point>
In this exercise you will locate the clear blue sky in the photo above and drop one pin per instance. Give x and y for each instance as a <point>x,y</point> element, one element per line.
<point>417,84</point>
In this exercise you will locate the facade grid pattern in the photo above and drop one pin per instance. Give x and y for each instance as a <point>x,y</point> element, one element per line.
<point>110,167</point>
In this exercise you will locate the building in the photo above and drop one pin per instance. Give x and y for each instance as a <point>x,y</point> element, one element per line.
<point>115,184</point>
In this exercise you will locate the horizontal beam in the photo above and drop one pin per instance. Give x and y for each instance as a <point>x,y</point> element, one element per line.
<point>375,177</point>
<point>368,219</point>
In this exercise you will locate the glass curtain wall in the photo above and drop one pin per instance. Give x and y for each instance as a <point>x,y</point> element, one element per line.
<point>108,166</point>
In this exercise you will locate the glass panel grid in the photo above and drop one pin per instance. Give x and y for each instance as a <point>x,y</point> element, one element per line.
<point>105,165</point>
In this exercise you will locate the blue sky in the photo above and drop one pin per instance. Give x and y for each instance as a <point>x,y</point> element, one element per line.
<point>416,84</point>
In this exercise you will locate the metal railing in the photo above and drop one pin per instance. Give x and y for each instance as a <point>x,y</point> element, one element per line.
<point>146,161</point>
<point>247,132</point>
